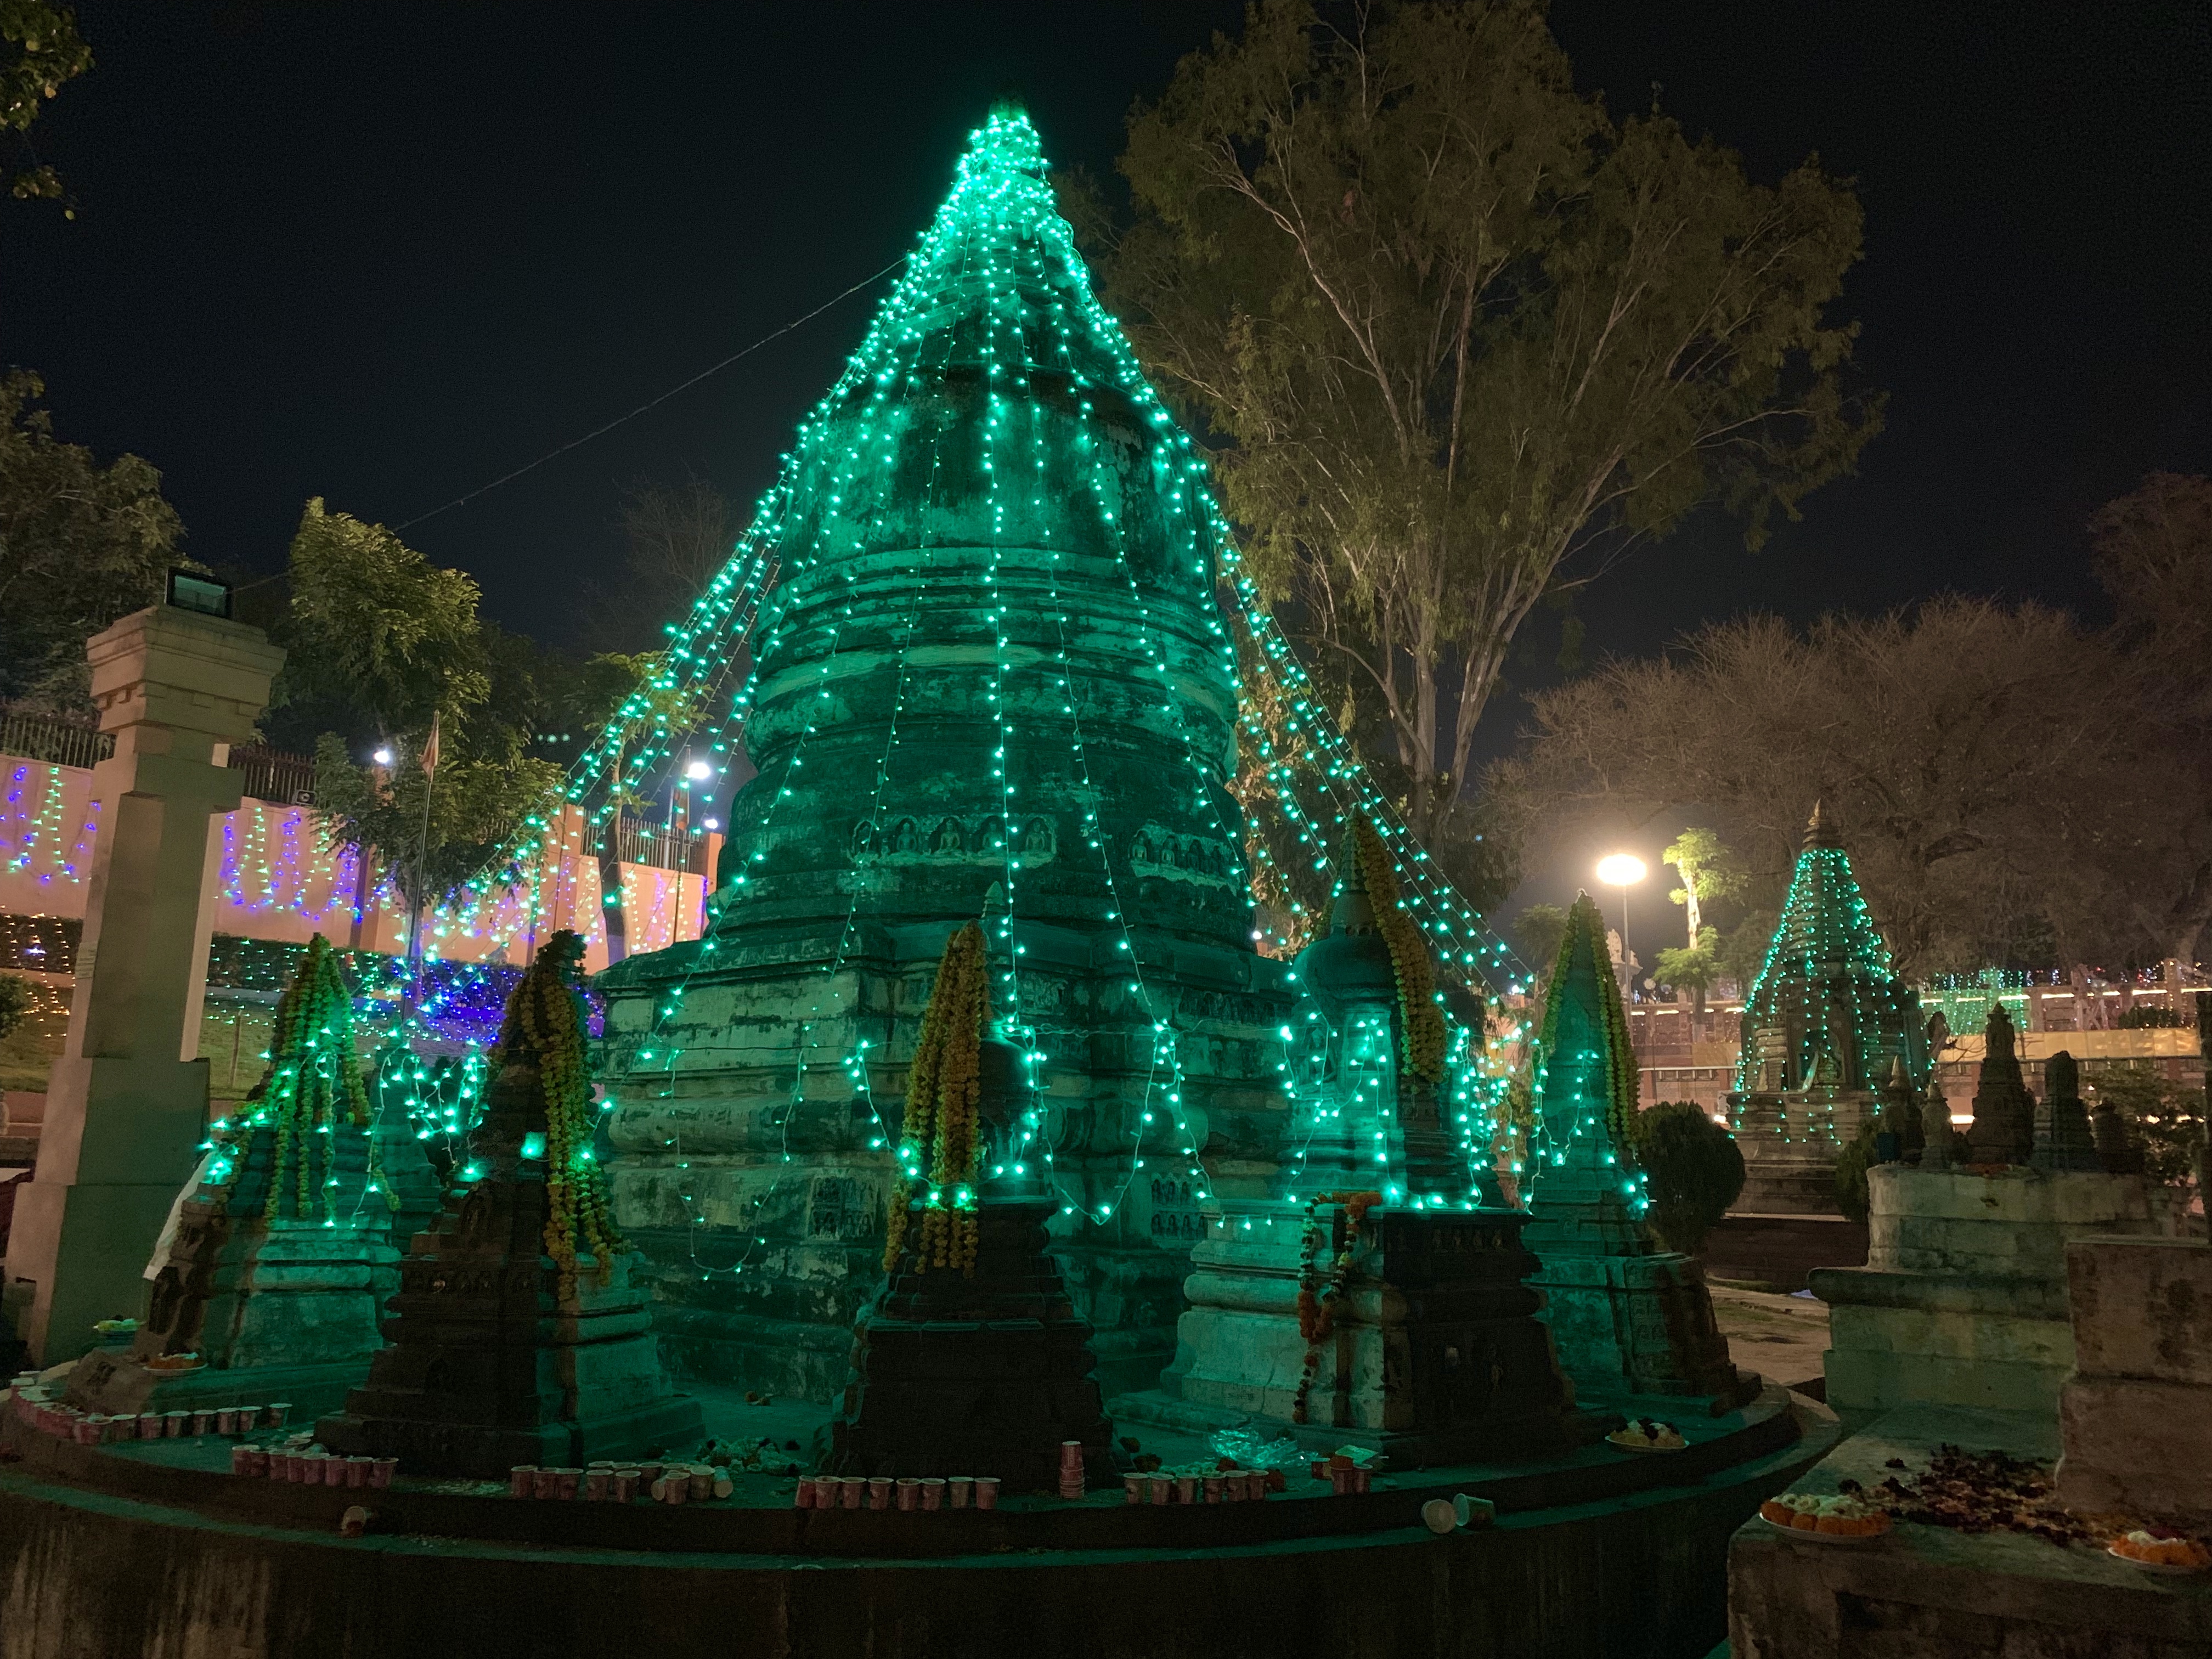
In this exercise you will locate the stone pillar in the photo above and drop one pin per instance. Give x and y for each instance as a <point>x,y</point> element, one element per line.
<point>127,1105</point>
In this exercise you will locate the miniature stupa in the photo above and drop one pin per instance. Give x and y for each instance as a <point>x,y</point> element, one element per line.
<point>2004,1129</point>
<point>516,1336</point>
<point>1628,1316</point>
<point>2064,1138</point>
<point>993,680</point>
<point>272,1280</point>
<point>1375,1300</point>
<point>971,1359</point>
<point>1825,1021</point>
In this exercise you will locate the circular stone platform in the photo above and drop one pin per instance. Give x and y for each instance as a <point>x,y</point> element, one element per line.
<point>154,1549</point>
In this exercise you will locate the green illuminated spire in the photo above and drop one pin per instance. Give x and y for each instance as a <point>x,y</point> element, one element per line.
<point>1827,1010</point>
<point>1586,1194</point>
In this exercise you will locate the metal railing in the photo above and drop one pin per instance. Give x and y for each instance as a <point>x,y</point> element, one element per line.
<point>57,742</point>
<point>273,775</point>
<point>637,840</point>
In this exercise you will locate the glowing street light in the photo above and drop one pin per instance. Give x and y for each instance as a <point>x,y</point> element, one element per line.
<point>1624,871</point>
<point>699,771</point>
<point>382,757</point>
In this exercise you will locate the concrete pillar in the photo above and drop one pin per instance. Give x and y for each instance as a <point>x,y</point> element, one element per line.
<point>126,1107</point>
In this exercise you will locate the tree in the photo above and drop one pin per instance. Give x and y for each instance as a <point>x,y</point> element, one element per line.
<point>2168,1120</point>
<point>377,628</point>
<point>81,545</point>
<point>1538,931</point>
<point>1453,326</point>
<point>40,50</point>
<point>1693,970</point>
<point>474,806</point>
<point>676,539</point>
<point>1692,1172</point>
<point>1709,873</point>
<point>1950,745</point>
<point>15,1002</point>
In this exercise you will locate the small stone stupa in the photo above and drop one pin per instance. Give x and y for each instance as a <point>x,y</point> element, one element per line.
<point>2063,1139</point>
<point>971,1359</point>
<point>1376,1298</point>
<point>1824,1024</point>
<point>273,1276</point>
<point>2003,1130</point>
<point>1628,1317</point>
<point>516,1336</point>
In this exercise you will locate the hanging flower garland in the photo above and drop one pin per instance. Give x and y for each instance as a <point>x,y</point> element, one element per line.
<point>944,1087</point>
<point>313,1085</point>
<point>1319,1292</point>
<point>544,1029</point>
<point>1422,1020</point>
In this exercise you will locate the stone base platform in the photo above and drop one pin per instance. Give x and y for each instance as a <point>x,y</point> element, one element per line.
<point>145,1548</point>
<point>1777,1252</point>
<point>1932,1593</point>
<point>105,1381</point>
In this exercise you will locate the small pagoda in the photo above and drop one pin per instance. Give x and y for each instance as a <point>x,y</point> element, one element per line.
<point>1377,1298</point>
<point>970,1359</point>
<point>272,1274</point>
<point>516,1335</point>
<point>1826,1021</point>
<point>1629,1318</point>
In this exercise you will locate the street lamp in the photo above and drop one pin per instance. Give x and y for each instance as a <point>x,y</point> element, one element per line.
<point>1624,871</point>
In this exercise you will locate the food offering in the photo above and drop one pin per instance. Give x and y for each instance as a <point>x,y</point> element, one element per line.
<point>1830,1518</point>
<point>1648,1434</point>
<point>2158,1549</point>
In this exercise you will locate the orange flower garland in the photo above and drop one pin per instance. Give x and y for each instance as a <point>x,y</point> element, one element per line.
<point>544,1029</point>
<point>1422,1020</point>
<point>944,1087</point>
<point>1318,1295</point>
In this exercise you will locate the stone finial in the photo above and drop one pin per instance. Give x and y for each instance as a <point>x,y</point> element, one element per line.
<point>1901,1112</point>
<point>1935,1128</point>
<point>2062,1137</point>
<point>2003,1130</point>
<point>1819,832</point>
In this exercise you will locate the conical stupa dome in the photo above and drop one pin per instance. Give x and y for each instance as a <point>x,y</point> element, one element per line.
<point>992,677</point>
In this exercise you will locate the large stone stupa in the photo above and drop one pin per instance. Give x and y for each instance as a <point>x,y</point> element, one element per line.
<point>1826,1023</point>
<point>992,680</point>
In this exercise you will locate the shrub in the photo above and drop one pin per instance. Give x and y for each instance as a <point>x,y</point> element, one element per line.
<point>1692,1172</point>
<point>15,1002</point>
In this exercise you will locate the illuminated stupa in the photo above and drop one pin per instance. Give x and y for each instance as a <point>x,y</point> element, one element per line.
<point>1826,1023</point>
<point>992,682</point>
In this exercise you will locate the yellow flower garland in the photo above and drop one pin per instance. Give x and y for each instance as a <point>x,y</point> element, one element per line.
<point>544,1029</point>
<point>314,1083</point>
<point>1422,1020</point>
<point>944,1086</point>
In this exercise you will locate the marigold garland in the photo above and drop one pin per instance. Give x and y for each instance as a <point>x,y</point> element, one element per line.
<point>1318,1293</point>
<point>944,1088</point>
<point>312,1085</point>
<point>1424,1022</point>
<point>1624,1077</point>
<point>544,1029</point>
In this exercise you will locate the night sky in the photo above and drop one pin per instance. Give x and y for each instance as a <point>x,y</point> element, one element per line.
<point>386,252</point>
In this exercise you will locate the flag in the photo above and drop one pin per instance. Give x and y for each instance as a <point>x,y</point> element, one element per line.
<point>430,749</point>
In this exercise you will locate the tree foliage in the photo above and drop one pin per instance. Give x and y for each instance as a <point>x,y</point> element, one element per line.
<point>40,50</point>
<point>15,1002</point>
<point>1692,1172</point>
<point>1994,808</point>
<point>1452,324</point>
<point>81,546</point>
<point>676,539</point>
<point>1709,873</point>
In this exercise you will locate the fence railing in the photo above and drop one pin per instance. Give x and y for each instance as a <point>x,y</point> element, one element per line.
<point>271,774</point>
<point>638,842</point>
<point>58,743</point>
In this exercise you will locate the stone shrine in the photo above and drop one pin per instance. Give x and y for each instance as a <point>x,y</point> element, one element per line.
<point>1628,1317</point>
<point>1962,1300</point>
<point>993,679</point>
<point>286,1243</point>
<point>1825,1022</point>
<point>1374,1301</point>
<point>516,1336</point>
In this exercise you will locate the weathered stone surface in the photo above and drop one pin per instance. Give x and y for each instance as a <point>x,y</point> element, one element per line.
<point>488,1364</point>
<point>1435,1353</point>
<point>985,687</point>
<point>1963,1299</point>
<point>2135,1415</point>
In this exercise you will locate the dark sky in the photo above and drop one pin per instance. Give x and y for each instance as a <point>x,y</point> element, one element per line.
<point>385,252</point>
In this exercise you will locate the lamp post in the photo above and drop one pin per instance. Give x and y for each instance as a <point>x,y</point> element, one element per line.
<point>1624,871</point>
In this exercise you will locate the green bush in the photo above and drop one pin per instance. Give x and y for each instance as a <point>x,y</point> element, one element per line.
<point>15,1002</point>
<point>2166,1119</point>
<point>2152,1018</point>
<point>1692,1172</point>
<point>1851,1171</point>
